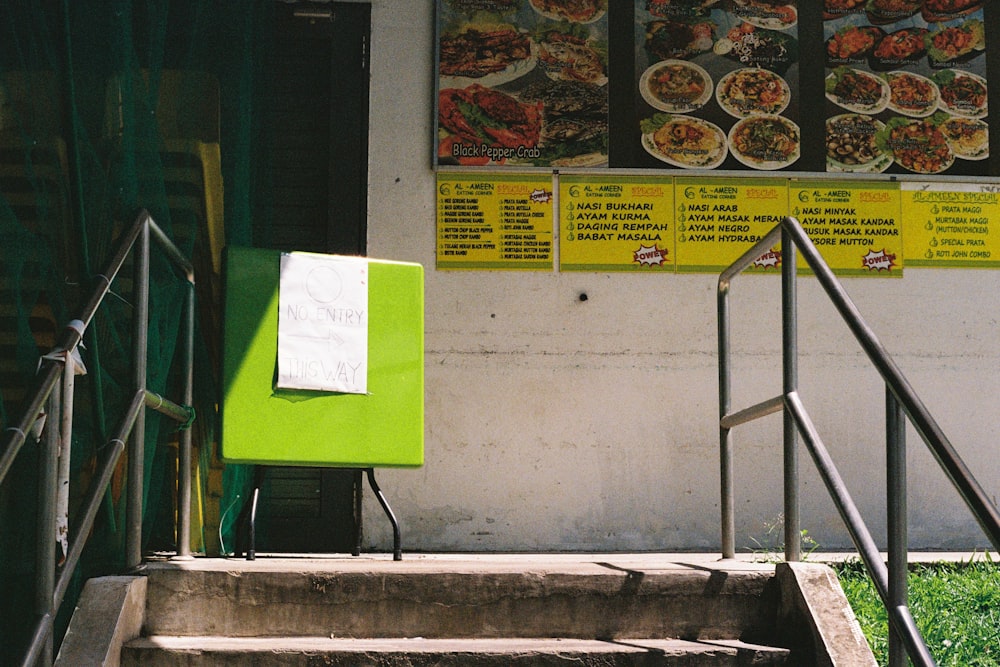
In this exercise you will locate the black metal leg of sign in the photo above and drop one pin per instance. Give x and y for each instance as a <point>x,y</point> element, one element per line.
<point>246,523</point>
<point>397,550</point>
<point>358,489</point>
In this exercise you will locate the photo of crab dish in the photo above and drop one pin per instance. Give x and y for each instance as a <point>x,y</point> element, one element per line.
<point>962,93</point>
<point>676,86</point>
<point>852,44</point>
<point>684,141</point>
<point>574,11</point>
<point>765,142</point>
<point>911,94</point>
<point>856,90</point>
<point>488,55</point>
<point>477,116</point>
<point>968,138</point>
<point>566,57</point>
<point>752,90</point>
<point>918,145</point>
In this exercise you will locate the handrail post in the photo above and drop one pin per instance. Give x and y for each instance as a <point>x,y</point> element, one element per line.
<point>726,501</point>
<point>896,517</point>
<point>133,514</point>
<point>790,381</point>
<point>45,543</point>
<point>184,453</point>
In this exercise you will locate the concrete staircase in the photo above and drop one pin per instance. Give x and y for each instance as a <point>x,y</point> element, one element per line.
<point>442,611</point>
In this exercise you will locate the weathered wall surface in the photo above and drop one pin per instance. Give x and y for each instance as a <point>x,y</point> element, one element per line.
<point>559,424</point>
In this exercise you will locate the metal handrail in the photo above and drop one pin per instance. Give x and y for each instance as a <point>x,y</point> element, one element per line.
<point>902,405</point>
<point>50,591</point>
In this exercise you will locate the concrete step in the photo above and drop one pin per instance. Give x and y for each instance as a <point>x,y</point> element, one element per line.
<point>451,599</point>
<point>443,610</point>
<point>161,651</point>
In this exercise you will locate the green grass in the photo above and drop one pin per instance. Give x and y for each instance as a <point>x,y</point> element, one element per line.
<point>956,607</point>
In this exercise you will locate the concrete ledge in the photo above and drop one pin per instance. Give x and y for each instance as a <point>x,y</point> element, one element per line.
<point>815,619</point>
<point>110,612</point>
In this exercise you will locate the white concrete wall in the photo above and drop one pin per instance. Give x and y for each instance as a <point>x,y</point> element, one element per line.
<point>556,424</point>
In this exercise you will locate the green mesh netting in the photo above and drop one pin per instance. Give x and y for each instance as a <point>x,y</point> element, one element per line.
<point>107,108</point>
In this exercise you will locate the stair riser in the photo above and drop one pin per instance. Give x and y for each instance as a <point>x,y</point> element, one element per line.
<point>153,658</point>
<point>515,605</point>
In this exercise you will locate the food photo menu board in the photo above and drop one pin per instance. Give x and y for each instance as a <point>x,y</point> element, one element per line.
<point>863,87</point>
<point>522,83</point>
<point>906,87</point>
<point>717,83</point>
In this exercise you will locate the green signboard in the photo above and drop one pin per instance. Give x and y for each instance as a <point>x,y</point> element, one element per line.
<point>265,424</point>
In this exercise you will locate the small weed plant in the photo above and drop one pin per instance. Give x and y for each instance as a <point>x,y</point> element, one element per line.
<point>770,548</point>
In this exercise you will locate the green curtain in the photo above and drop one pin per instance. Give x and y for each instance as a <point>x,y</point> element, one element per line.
<point>106,108</point>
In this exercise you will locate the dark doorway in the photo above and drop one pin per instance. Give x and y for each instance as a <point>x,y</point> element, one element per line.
<point>313,120</point>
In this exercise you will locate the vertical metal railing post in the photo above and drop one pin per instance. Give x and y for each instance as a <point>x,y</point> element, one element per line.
<point>790,381</point>
<point>726,501</point>
<point>45,543</point>
<point>184,455</point>
<point>137,442</point>
<point>896,519</point>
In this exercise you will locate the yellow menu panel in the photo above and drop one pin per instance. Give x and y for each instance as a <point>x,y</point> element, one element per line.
<point>616,223</point>
<point>856,226</point>
<point>494,221</point>
<point>719,219</point>
<point>951,224</point>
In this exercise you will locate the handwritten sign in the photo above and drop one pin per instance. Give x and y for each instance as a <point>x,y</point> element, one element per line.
<point>323,323</point>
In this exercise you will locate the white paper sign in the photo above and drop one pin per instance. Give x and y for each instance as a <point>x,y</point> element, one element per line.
<point>323,323</point>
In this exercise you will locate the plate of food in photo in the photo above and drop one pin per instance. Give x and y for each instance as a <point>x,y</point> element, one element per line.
<point>899,49</point>
<point>751,91</point>
<point>677,86</point>
<point>940,11</point>
<point>765,142</point>
<point>835,9</point>
<point>751,46</point>
<point>684,141</point>
<point>766,13</point>
<point>478,116</point>
<point>672,9</point>
<point>890,11</point>
<point>568,57</point>
<point>917,145</point>
<point>955,43</point>
<point>574,129</point>
<point>853,44</point>
<point>968,138</point>
<point>857,90</point>
<point>489,55</point>
<point>574,11</point>
<point>666,39</point>
<point>962,93</point>
<point>911,94</point>
<point>851,144</point>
